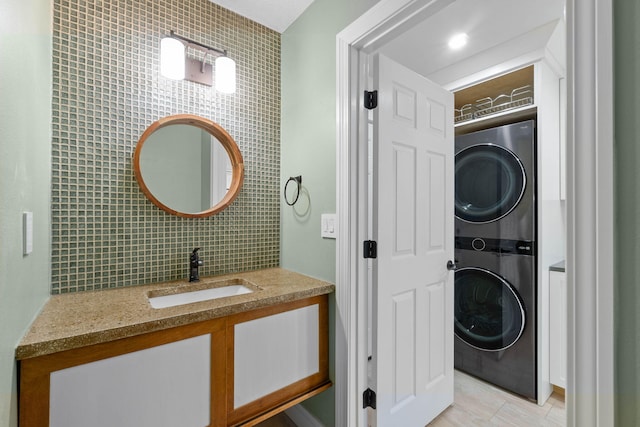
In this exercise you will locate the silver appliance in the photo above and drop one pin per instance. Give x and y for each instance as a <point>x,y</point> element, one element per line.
<point>495,320</point>
<point>495,183</point>
<point>495,280</point>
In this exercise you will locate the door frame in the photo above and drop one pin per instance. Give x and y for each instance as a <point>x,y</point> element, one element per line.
<point>590,384</point>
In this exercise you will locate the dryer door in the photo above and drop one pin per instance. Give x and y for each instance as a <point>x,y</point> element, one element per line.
<point>489,314</point>
<point>490,181</point>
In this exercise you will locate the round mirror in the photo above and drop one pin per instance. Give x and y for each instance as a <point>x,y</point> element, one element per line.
<point>188,166</point>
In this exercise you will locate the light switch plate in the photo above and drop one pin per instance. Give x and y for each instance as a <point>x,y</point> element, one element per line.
<point>328,226</point>
<point>27,233</point>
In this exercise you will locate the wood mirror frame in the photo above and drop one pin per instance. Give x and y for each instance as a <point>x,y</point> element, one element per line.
<point>213,129</point>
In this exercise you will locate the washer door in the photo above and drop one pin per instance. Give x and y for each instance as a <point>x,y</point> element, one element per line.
<point>490,181</point>
<point>488,312</point>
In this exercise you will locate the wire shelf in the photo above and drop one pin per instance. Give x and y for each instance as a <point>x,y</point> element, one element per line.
<point>519,97</point>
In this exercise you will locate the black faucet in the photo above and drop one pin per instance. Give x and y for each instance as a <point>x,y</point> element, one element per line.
<point>194,263</point>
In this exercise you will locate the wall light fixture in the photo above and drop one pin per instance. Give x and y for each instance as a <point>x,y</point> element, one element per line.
<point>175,64</point>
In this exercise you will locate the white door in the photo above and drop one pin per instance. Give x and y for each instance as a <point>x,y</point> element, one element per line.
<point>412,360</point>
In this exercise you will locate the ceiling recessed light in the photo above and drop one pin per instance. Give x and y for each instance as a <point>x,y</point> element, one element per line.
<point>458,41</point>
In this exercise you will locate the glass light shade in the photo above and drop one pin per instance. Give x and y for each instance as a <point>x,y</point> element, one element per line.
<point>172,58</point>
<point>225,74</point>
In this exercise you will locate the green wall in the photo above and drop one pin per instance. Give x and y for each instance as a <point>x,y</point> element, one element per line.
<point>627,210</point>
<point>308,148</point>
<point>25,151</point>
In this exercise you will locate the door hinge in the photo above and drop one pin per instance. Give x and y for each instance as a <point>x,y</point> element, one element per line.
<point>370,99</point>
<point>369,399</point>
<point>370,249</point>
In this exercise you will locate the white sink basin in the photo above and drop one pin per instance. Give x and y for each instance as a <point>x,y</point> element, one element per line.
<point>188,294</point>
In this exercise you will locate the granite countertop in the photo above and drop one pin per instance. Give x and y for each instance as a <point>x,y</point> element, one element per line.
<point>85,318</point>
<point>559,266</point>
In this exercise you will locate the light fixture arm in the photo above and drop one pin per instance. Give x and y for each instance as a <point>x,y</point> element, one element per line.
<point>203,61</point>
<point>197,45</point>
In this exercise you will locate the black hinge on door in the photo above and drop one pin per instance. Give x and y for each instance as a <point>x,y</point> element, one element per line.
<point>369,399</point>
<point>370,249</point>
<point>370,99</point>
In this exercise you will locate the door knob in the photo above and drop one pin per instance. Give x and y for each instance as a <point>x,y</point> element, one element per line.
<point>451,265</point>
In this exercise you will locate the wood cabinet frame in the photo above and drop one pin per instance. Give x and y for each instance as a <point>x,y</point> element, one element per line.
<point>34,380</point>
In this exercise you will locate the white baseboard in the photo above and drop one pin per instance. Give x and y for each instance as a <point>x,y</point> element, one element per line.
<point>302,417</point>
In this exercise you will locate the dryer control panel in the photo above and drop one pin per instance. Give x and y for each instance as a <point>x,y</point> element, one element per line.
<point>503,246</point>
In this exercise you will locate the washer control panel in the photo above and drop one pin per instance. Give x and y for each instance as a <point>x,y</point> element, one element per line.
<point>503,246</point>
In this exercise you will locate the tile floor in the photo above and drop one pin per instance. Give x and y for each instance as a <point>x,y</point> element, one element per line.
<point>479,404</point>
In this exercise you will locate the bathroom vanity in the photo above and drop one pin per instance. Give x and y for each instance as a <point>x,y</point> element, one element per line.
<point>109,358</point>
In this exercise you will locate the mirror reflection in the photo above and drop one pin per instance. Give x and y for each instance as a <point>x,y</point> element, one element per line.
<point>188,167</point>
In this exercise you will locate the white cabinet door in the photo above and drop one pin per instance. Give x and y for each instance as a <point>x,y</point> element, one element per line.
<point>163,386</point>
<point>558,328</point>
<point>273,352</point>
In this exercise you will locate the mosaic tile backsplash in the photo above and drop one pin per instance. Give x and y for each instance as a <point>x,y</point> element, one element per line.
<point>107,90</point>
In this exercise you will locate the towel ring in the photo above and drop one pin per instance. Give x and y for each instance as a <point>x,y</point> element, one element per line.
<point>298,180</point>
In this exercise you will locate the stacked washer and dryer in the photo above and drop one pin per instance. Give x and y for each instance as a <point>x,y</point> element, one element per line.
<point>495,280</point>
